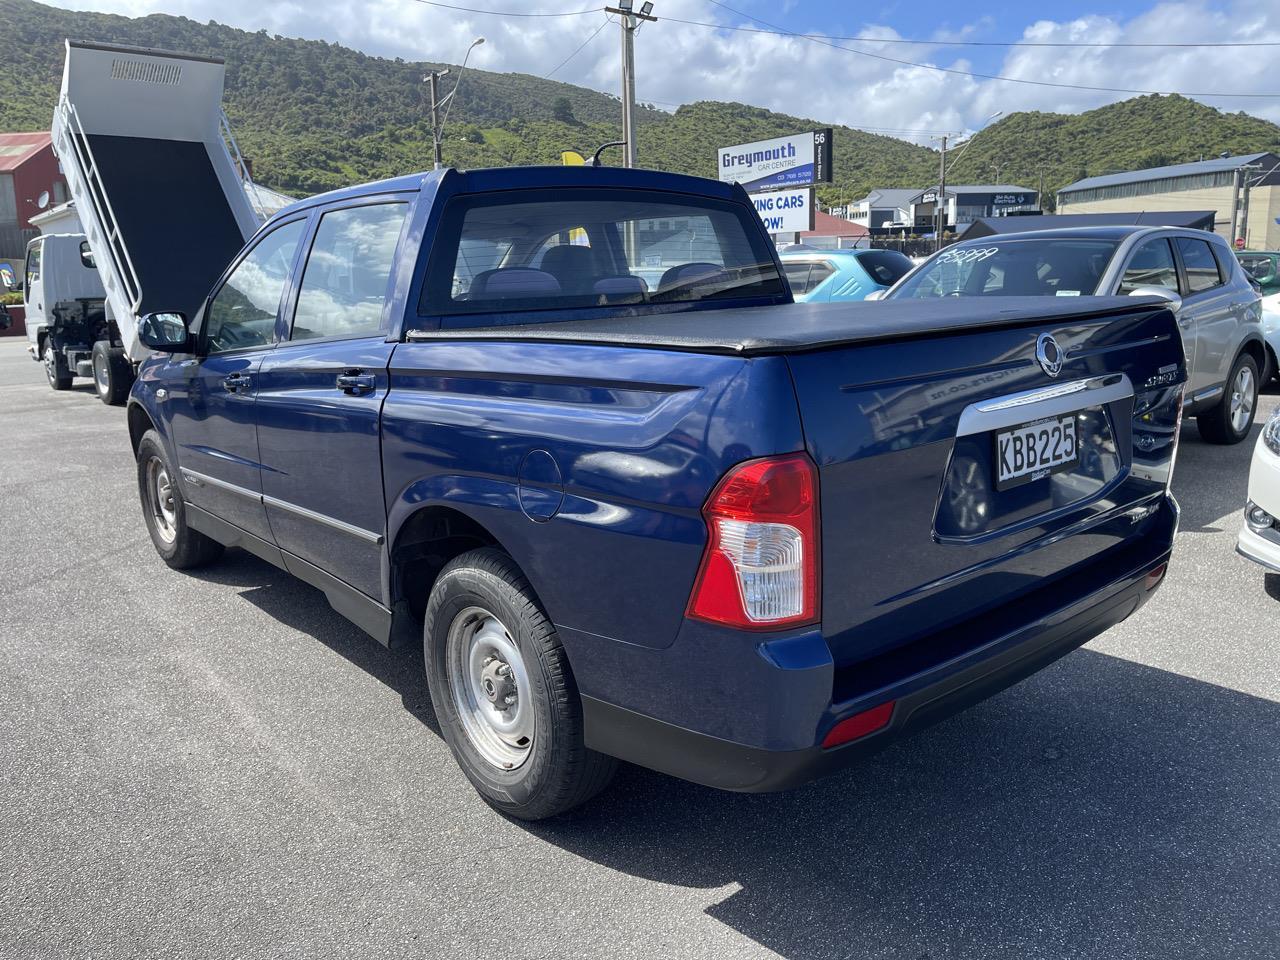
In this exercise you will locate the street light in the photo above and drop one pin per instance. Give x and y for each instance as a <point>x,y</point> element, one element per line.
<point>452,93</point>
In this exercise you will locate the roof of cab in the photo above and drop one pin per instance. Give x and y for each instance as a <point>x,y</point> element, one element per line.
<point>523,178</point>
<point>1119,231</point>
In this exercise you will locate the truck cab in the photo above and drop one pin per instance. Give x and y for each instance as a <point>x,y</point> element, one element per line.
<point>60,277</point>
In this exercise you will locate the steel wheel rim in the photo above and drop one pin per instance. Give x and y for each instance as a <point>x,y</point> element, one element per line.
<point>1242,400</point>
<point>489,686</point>
<point>50,365</point>
<point>160,498</point>
<point>100,374</point>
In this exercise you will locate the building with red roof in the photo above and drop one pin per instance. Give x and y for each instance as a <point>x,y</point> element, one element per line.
<point>30,182</point>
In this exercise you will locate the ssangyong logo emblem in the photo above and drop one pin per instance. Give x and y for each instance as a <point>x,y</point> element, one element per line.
<point>1049,354</point>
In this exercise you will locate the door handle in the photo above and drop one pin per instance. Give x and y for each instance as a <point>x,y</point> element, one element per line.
<point>236,383</point>
<point>356,384</point>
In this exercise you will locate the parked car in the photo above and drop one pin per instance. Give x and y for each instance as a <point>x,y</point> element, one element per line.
<point>821,276</point>
<point>688,524</point>
<point>1219,313</point>
<point>1264,268</point>
<point>1259,538</point>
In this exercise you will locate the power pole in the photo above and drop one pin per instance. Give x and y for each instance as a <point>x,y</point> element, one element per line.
<point>1242,181</point>
<point>1235,205</point>
<point>630,21</point>
<point>1040,192</point>
<point>432,78</point>
<point>939,204</point>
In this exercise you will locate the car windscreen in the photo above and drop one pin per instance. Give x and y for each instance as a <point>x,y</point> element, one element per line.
<point>1059,267</point>
<point>557,250</point>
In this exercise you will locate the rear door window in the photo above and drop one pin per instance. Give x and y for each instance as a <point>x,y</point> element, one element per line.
<point>344,285</point>
<point>1151,265</point>
<point>1199,263</point>
<point>805,275</point>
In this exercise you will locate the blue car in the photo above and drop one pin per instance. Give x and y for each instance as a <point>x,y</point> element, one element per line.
<point>823,276</point>
<point>673,519</point>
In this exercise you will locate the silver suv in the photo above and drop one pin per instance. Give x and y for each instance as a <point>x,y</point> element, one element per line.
<point>1218,310</point>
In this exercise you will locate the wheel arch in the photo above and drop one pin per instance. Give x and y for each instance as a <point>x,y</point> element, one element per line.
<point>1256,348</point>
<point>139,423</point>
<point>428,539</point>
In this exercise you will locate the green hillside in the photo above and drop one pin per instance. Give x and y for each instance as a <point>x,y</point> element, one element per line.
<point>315,115</point>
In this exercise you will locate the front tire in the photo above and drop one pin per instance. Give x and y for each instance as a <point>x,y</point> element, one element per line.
<point>112,373</point>
<point>165,512</point>
<point>1232,418</point>
<point>503,692</point>
<point>55,366</point>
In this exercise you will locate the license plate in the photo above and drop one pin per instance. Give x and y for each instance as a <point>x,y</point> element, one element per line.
<point>1032,451</point>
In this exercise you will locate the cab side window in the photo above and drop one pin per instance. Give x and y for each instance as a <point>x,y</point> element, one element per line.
<point>243,312</point>
<point>1151,266</point>
<point>344,285</point>
<point>33,264</point>
<point>1201,267</point>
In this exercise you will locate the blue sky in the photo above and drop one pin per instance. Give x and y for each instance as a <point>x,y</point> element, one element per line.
<point>678,62</point>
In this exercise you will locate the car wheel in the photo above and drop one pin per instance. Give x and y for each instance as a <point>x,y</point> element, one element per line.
<point>1231,419</point>
<point>503,691</point>
<point>55,367</point>
<point>164,510</point>
<point>112,374</point>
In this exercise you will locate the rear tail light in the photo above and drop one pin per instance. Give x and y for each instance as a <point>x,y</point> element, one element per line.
<point>859,725</point>
<point>760,566</point>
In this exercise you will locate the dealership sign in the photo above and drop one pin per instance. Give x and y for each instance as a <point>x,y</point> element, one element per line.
<point>794,161</point>
<point>786,211</point>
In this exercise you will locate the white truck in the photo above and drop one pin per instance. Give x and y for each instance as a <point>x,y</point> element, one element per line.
<point>163,194</point>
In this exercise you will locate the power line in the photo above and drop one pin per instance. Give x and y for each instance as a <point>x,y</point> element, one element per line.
<point>864,38</point>
<point>508,13</point>
<point>595,33</point>
<point>782,32</point>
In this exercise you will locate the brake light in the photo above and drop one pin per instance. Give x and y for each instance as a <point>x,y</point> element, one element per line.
<point>760,566</point>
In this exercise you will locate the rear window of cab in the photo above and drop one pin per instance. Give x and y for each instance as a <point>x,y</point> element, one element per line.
<point>561,250</point>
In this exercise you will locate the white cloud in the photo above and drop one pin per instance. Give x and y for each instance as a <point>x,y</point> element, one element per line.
<point>678,63</point>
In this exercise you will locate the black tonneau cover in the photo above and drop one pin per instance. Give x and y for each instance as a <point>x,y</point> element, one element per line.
<point>800,327</point>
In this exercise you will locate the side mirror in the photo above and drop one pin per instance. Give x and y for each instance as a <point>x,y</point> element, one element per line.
<point>1164,293</point>
<point>6,321</point>
<point>874,295</point>
<point>164,332</point>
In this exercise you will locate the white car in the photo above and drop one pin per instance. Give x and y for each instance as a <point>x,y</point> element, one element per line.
<point>1271,330</point>
<point>1259,538</point>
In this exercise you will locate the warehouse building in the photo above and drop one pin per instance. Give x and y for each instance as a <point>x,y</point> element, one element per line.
<point>965,203</point>
<point>882,206</point>
<point>30,181</point>
<point>1203,185</point>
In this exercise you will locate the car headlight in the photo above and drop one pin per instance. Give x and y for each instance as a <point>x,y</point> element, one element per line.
<point>1271,432</point>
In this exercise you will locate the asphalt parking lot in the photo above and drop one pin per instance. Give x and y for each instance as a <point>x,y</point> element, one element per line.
<point>217,765</point>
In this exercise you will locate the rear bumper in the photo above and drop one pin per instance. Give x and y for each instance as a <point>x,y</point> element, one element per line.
<point>920,700</point>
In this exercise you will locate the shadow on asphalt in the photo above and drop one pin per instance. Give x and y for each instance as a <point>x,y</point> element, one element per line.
<point>1100,808</point>
<point>304,608</point>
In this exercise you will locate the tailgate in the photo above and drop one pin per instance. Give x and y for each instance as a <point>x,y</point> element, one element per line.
<point>956,474</point>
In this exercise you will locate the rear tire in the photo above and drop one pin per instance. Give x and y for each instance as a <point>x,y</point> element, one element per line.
<point>1232,418</point>
<point>55,366</point>
<point>112,373</point>
<point>165,512</point>
<point>503,692</point>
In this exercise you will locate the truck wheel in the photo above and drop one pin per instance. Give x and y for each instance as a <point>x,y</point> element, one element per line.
<point>503,692</point>
<point>1231,419</point>
<point>112,373</point>
<point>164,511</point>
<point>55,367</point>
